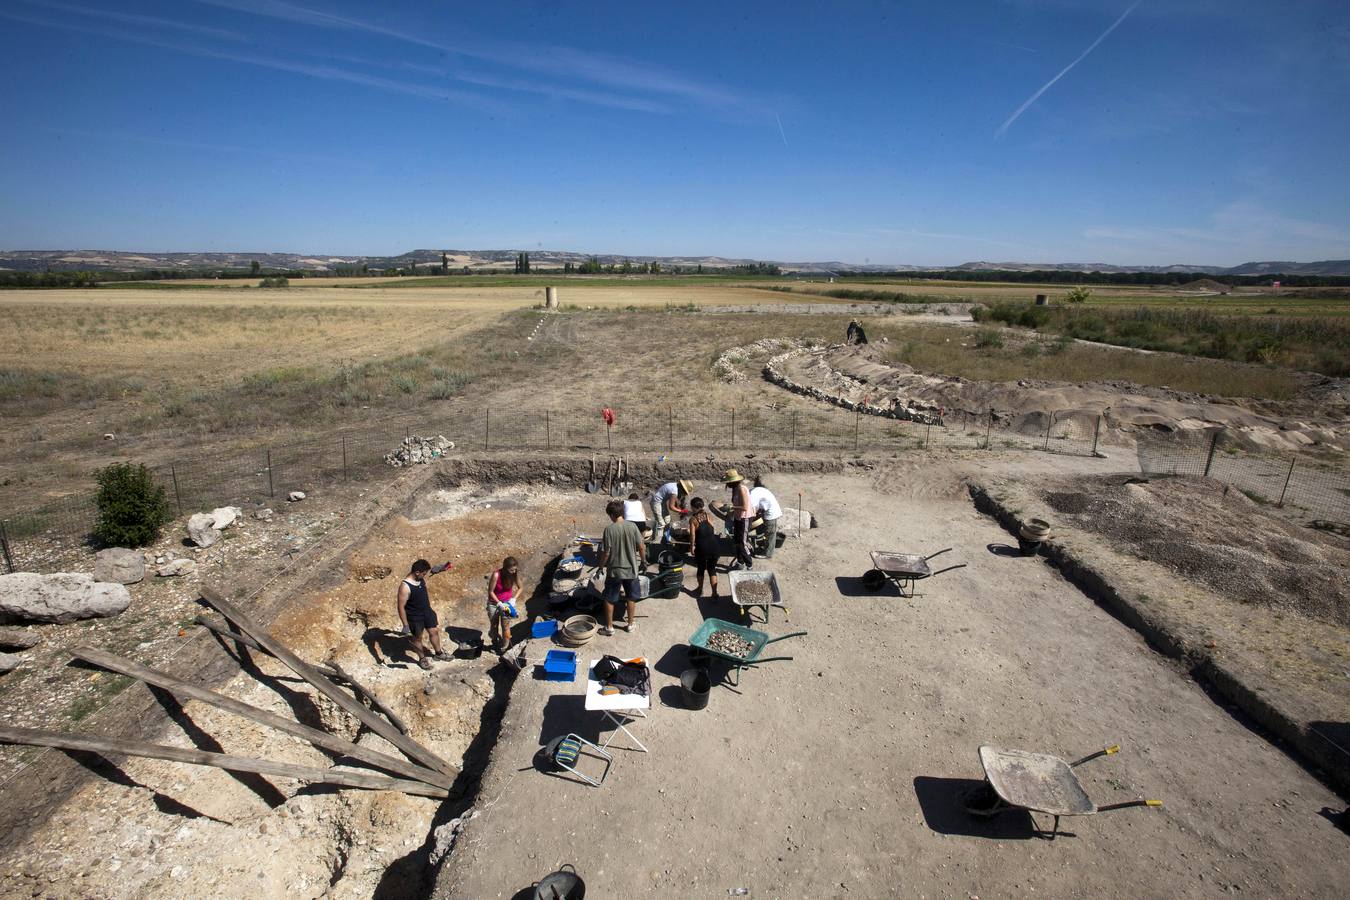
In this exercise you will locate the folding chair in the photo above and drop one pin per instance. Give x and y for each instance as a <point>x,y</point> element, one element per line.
<point>566,752</point>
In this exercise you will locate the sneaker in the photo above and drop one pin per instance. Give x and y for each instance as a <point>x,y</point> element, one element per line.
<point>630,627</point>
<point>605,632</point>
<point>425,662</point>
<point>442,656</point>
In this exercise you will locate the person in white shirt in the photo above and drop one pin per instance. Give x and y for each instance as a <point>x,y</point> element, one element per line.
<point>666,505</point>
<point>634,511</point>
<point>765,505</point>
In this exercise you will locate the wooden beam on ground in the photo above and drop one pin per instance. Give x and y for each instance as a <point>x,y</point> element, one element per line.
<point>34,738</point>
<point>180,688</point>
<point>372,721</point>
<point>333,671</point>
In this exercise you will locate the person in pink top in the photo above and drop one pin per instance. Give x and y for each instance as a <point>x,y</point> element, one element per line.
<point>741,512</point>
<point>503,592</point>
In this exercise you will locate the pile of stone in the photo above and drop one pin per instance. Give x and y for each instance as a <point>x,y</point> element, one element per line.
<point>417,450</point>
<point>204,528</point>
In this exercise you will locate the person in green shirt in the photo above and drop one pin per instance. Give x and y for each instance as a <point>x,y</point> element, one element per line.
<point>622,556</point>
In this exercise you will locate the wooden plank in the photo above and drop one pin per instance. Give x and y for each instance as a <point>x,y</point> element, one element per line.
<point>372,721</point>
<point>333,671</point>
<point>33,737</point>
<point>180,688</point>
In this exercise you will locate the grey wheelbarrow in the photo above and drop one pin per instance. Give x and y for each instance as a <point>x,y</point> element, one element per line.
<point>1036,782</point>
<point>902,570</point>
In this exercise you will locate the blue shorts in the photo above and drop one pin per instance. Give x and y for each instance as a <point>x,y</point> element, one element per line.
<point>630,587</point>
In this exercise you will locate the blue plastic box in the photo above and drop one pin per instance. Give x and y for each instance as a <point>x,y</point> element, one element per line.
<point>543,628</point>
<point>560,665</point>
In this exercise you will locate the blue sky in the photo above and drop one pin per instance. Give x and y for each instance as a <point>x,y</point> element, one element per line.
<point>1197,131</point>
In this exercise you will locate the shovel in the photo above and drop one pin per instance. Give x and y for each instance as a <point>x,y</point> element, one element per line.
<point>626,482</point>
<point>591,486</point>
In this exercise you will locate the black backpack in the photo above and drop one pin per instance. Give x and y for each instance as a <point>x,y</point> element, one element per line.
<point>631,678</point>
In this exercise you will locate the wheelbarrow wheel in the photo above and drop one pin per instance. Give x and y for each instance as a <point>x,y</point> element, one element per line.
<point>874,579</point>
<point>982,801</point>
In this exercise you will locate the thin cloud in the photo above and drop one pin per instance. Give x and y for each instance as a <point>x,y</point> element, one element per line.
<point>1003,129</point>
<point>324,72</point>
<point>556,61</point>
<point>200,145</point>
<point>138,20</point>
<point>781,133</point>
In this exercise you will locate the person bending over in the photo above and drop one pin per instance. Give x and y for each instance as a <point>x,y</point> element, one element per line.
<point>416,614</point>
<point>666,505</point>
<point>766,507</point>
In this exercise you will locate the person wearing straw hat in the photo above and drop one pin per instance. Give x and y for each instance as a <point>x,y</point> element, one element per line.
<point>741,512</point>
<point>666,502</point>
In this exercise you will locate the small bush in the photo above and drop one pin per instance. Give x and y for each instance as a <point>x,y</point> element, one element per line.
<point>275,281</point>
<point>131,507</point>
<point>403,384</point>
<point>989,338</point>
<point>1078,294</point>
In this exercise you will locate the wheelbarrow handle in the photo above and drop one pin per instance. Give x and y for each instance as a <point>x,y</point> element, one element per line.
<point>939,553</point>
<point>948,569</point>
<point>784,637</point>
<point>754,662</point>
<point>1114,748</point>
<point>1126,805</point>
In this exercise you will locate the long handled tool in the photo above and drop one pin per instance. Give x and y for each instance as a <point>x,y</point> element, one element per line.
<point>591,486</point>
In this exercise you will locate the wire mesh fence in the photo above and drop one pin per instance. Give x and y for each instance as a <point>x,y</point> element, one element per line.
<point>1300,485</point>
<point>30,537</point>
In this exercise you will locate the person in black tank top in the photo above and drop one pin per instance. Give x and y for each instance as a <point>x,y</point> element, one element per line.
<point>416,614</point>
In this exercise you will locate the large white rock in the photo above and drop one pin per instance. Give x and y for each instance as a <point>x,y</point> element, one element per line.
<point>120,565</point>
<point>60,598</point>
<point>225,516</point>
<point>202,529</point>
<point>8,662</point>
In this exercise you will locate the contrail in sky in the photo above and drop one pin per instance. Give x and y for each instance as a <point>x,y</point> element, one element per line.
<point>1002,129</point>
<point>781,133</point>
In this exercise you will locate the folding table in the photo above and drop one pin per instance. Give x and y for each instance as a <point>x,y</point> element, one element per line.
<point>617,708</point>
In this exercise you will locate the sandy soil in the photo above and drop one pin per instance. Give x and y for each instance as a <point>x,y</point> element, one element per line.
<point>146,828</point>
<point>837,773</point>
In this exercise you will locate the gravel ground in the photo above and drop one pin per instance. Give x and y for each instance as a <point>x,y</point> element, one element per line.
<point>837,773</point>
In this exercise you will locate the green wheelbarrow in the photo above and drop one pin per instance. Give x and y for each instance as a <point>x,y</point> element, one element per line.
<point>700,646</point>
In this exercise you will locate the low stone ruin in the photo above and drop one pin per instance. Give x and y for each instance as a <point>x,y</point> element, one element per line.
<point>417,450</point>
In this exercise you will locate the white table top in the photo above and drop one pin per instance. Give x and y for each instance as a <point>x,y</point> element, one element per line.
<point>596,701</point>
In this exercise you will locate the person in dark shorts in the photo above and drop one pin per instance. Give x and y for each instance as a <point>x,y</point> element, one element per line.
<point>623,556</point>
<point>707,545</point>
<point>416,614</point>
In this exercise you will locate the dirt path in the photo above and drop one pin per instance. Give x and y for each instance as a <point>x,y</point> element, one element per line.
<point>836,774</point>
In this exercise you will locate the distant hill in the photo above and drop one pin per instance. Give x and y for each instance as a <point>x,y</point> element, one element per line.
<point>504,260</point>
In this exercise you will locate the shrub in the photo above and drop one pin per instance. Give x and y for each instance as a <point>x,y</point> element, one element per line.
<point>273,281</point>
<point>131,507</point>
<point>989,337</point>
<point>1078,294</point>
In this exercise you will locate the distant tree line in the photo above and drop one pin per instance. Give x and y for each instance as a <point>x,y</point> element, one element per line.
<point>1066,276</point>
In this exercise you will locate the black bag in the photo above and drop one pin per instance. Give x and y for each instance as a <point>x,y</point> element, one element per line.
<point>630,678</point>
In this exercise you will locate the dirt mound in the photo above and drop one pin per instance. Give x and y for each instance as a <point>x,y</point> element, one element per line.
<point>1206,286</point>
<point>855,373</point>
<point>1216,536</point>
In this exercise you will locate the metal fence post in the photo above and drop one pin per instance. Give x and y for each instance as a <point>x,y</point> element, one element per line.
<point>988,426</point>
<point>4,546</point>
<point>487,426</point>
<point>927,432</point>
<point>548,432</point>
<point>1288,475</point>
<point>857,420</point>
<point>1096,433</point>
<point>733,428</point>
<point>670,424</point>
<point>270,491</point>
<point>794,429</point>
<point>1048,425</point>
<point>1213,443</point>
<point>176,495</point>
<point>344,458</point>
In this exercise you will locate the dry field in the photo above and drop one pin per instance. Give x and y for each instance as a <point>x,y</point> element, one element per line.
<point>174,372</point>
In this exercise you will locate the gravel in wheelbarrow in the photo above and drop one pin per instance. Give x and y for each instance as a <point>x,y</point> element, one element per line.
<point>730,644</point>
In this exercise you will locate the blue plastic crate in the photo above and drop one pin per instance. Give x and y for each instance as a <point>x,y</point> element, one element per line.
<point>560,665</point>
<point>543,628</point>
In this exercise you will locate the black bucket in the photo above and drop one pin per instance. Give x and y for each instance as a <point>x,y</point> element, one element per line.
<point>1028,547</point>
<point>696,685</point>
<point>561,885</point>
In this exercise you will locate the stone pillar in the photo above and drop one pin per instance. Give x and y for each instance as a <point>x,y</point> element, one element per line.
<point>550,298</point>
